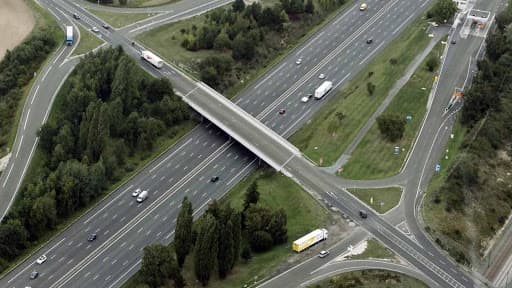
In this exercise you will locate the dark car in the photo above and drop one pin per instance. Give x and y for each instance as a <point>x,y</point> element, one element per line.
<point>369,41</point>
<point>34,275</point>
<point>363,214</point>
<point>76,16</point>
<point>92,237</point>
<point>282,111</point>
<point>105,26</point>
<point>214,179</point>
<point>454,42</point>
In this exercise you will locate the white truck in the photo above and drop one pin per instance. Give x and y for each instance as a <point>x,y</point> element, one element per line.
<point>152,58</point>
<point>69,35</point>
<point>142,196</point>
<point>323,89</point>
<point>309,240</point>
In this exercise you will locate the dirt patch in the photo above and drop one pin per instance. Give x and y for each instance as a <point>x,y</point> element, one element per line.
<point>16,22</point>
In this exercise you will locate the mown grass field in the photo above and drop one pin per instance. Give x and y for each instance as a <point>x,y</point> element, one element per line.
<point>323,139</point>
<point>118,20</point>
<point>88,42</point>
<point>374,156</point>
<point>140,3</point>
<point>384,199</point>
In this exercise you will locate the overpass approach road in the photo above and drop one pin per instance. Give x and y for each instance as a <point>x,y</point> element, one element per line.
<point>339,50</point>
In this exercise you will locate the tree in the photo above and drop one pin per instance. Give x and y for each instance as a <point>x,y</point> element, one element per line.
<point>225,256</point>
<point>206,249</point>
<point>432,63</point>
<point>370,87</point>
<point>222,41</point>
<point>391,126</point>
<point>183,232</point>
<point>340,116</point>
<point>238,6</point>
<point>260,241</point>
<point>277,227</point>
<point>251,195</point>
<point>158,265</point>
<point>243,48</point>
<point>442,11</point>
<point>236,220</point>
<point>13,238</point>
<point>310,7</point>
<point>246,253</point>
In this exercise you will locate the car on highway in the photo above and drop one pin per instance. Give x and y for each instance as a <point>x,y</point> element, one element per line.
<point>282,111</point>
<point>92,237</point>
<point>363,214</point>
<point>41,259</point>
<point>214,179</point>
<point>105,26</point>
<point>76,16</point>
<point>323,253</point>
<point>34,275</point>
<point>136,192</point>
<point>363,7</point>
<point>454,41</point>
<point>299,61</point>
<point>369,41</point>
<point>95,29</point>
<point>306,98</point>
<point>142,196</point>
<point>321,76</point>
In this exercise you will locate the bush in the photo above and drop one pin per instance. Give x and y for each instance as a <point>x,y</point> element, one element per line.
<point>391,126</point>
<point>260,241</point>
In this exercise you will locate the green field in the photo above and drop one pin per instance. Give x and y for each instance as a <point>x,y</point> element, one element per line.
<point>323,139</point>
<point>276,190</point>
<point>88,41</point>
<point>118,20</point>
<point>384,199</point>
<point>374,156</point>
<point>370,279</point>
<point>374,250</point>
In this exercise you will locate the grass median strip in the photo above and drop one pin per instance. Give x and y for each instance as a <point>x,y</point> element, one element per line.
<point>381,200</point>
<point>325,137</point>
<point>118,20</point>
<point>374,157</point>
<point>374,250</point>
<point>371,279</point>
<point>88,42</point>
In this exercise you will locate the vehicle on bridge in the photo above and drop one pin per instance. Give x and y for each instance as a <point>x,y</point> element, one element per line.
<point>152,58</point>
<point>323,89</point>
<point>309,240</point>
<point>69,35</point>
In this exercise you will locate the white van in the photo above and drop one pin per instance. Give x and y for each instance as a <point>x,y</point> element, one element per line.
<point>142,196</point>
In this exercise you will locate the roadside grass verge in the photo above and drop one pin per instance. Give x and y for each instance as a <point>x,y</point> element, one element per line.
<point>371,279</point>
<point>374,156</point>
<point>88,42</point>
<point>118,20</point>
<point>374,250</point>
<point>43,20</point>
<point>304,214</point>
<point>166,41</point>
<point>384,199</point>
<point>323,139</point>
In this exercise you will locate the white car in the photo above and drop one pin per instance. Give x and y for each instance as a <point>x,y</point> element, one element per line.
<point>321,76</point>
<point>95,29</point>
<point>323,254</point>
<point>136,192</point>
<point>41,259</point>
<point>299,61</point>
<point>306,98</point>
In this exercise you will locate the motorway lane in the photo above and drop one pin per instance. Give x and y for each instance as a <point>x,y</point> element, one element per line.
<point>178,85</point>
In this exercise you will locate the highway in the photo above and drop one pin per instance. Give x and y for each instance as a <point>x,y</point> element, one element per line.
<point>124,228</point>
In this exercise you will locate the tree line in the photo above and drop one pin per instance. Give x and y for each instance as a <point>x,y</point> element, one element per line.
<point>16,70</point>
<point>472,183</point>
<point>107,114</point>
<point>247,35</point>
<point>216,241</point>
